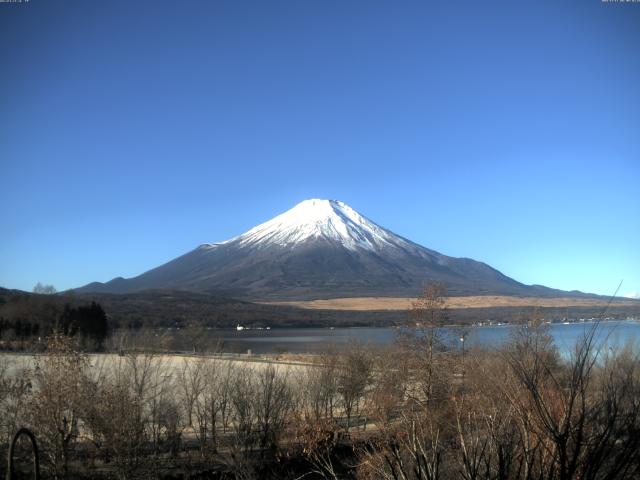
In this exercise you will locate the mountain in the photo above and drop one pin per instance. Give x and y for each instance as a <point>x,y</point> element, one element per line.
<point>320,249</point>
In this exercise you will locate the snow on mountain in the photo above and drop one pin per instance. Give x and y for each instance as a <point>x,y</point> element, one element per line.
<point>319,249</point>
<point>330,220</point>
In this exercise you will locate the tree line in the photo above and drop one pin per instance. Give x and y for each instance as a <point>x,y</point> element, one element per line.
<point>26,321</point>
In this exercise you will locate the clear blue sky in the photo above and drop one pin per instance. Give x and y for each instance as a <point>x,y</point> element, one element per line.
<point>133,131</point>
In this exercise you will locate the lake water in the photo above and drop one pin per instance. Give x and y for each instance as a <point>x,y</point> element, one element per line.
<point>316,340</point>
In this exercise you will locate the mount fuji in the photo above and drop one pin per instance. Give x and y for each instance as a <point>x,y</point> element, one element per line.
<point>319,249</point>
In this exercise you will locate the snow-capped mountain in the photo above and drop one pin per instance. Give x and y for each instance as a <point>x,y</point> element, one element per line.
<point>319,249</point>
<point>315,219</point>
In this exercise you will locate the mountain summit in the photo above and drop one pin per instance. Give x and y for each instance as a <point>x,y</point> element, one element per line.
<point>319,249</point>
<point>316,219</point>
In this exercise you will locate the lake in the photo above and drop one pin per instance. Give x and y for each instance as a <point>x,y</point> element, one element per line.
<point>316,340</point>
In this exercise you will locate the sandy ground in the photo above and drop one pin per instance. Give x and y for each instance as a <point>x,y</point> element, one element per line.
<point>14,363</point>
<point>399,303</point>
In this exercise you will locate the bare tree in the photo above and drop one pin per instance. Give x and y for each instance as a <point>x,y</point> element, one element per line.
<point>163,414</point>
<point>191,383</point>
<point>127,405</point>
<point>318,439</point>
<point>119,341</point>
<point>225,389</point>
<point>389,387</point>
<point>115,418</point>
<point>243,422</point>
<point>60,377</point>
<point>423,336</point>
<point>209,385</point>
<point>194,335</point>
<point>411,451</point>
<point>273,401</point>
<point>584,413</point>
<point>213,398</point>
<point>44,289</point>
<point>488,436</point>
<point>354,376</point>
<point>318,389</point>
<point>169,421</point>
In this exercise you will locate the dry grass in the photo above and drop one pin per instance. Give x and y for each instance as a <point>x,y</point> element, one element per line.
<point>400,303</point>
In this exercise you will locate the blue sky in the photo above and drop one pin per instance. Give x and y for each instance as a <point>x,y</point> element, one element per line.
<point>508,132</point>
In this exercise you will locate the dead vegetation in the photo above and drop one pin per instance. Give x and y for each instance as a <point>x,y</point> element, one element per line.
<point>473,301</point>
<point>412,411</point>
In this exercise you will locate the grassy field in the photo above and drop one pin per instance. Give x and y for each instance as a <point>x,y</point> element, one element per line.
<point>490,301</point>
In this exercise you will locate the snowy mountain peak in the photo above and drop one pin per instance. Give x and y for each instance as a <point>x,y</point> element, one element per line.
<point>329,220</point>
<point>318,249</point>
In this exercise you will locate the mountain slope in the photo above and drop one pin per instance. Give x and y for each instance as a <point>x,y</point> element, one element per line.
<point>320,249</point>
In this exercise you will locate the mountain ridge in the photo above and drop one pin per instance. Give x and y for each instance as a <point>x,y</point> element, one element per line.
<point>320,249</point>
